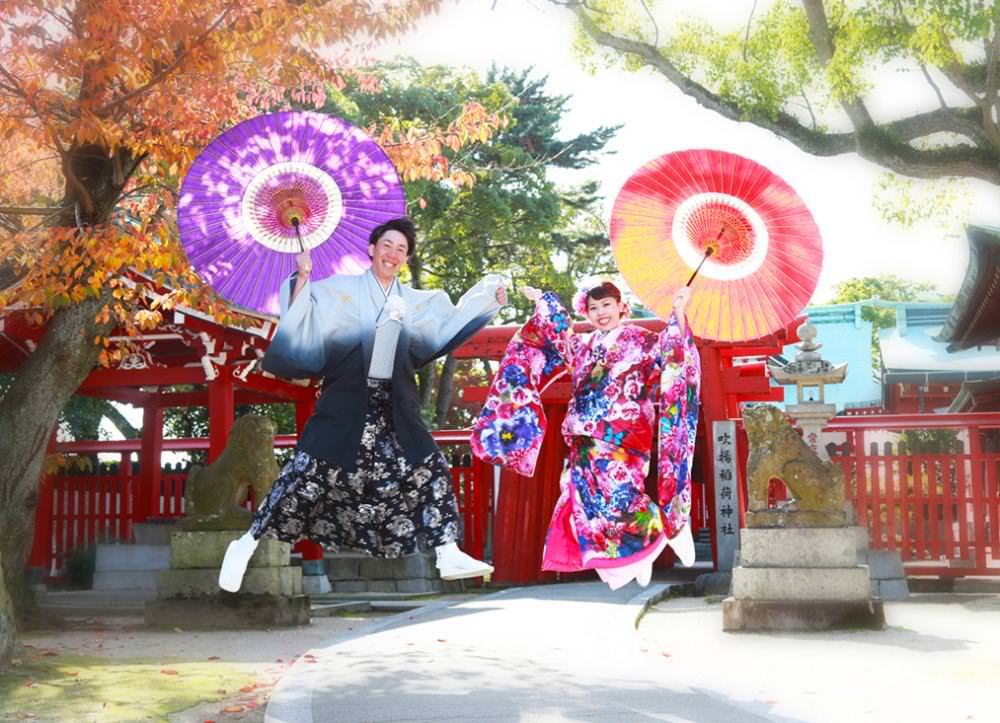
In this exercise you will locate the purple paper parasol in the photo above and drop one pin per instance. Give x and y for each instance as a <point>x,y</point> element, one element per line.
<point>246,192</point>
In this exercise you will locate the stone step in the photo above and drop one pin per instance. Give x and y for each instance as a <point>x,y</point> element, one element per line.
<point>132,557</point>
<point>154,533</point>
<point>415,586</point>
<point>356,566</point>
<point>122,580</point>
<point>95,603</point>
<point>395,606</point>
<point>337,597</point>
<point>329,610</point>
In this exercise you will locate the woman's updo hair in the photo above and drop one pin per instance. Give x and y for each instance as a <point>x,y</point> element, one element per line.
<point>603,291</point>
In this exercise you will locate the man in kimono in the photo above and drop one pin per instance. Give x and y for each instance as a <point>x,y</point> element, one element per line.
<point>367,474</point>
<point>603,520</point>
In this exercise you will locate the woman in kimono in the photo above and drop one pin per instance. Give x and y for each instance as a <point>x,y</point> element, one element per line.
<point>366,473</point>
<point>603,519</point>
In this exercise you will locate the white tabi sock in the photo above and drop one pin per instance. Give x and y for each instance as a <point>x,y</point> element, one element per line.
<point>683,545</point>
<point>234,564</point>
<point>453,564</point>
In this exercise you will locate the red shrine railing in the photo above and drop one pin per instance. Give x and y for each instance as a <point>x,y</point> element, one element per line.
<point>939,507</point>
<point>80,509</point>
<point>924,485</point>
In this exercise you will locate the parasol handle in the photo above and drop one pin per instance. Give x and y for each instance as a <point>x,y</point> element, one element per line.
<point>708,252</point>
<point>298,234</point>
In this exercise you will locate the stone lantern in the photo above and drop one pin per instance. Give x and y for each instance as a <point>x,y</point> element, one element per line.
<point>810,373</point>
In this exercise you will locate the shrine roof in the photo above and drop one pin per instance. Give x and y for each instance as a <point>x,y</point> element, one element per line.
<point>916,354</point>
<point>975,316</point>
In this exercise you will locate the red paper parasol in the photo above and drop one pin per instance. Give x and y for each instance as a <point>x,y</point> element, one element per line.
<point>765,249</point>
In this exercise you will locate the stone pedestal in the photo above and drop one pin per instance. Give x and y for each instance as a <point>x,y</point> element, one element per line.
<point>188,594</point>
<point>800,579</point>
<point>412,574</point>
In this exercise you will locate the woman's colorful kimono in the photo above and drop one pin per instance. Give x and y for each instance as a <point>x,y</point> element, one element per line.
<point>603,520</point>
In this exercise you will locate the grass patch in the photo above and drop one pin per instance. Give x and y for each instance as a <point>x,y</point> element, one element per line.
<point>46,686</point>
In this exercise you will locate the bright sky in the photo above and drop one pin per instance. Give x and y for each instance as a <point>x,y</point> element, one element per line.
<point>658,119</point>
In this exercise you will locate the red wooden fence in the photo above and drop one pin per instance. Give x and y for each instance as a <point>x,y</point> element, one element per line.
<point>940,510</point>
<point>938,507</point>
<point>937,503</point>
<point>81,509</point>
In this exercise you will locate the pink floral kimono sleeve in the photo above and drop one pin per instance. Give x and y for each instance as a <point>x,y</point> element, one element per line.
<point>511,426</point>
<point>680,387</point>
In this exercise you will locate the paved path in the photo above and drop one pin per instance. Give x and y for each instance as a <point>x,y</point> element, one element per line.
<point>552,652</point>
<point>571,653</point>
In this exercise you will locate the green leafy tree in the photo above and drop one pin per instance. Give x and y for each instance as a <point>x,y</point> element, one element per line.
<point>803,70</point>
<point>514,220</point>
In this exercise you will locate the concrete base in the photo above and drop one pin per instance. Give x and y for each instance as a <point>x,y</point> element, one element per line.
<point>276,581</point>
<point>796,518</point>
<point>193,549</point>
<point>229,611</point>
<point>798,547</point>
<point>358,573</point>
<point>848,584</point>
<point>789,615</point>
<point>316,584</point>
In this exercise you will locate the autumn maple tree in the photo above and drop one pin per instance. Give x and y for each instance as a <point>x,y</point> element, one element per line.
<point>103,106</point>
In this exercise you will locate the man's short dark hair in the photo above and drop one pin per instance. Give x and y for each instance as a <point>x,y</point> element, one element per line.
<point>403,224</point>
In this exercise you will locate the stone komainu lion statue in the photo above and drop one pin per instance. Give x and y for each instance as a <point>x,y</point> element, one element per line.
<point>215,495</point>
<point>777,451</point>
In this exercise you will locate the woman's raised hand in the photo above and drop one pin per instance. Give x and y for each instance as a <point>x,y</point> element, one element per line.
<point>531,293</point>
<point>681,298</point>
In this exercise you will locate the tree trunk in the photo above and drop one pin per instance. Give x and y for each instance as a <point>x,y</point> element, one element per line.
<point>427,376</point>
<point>28,414</point>
<point>8,632</point>
<point>444,391</point>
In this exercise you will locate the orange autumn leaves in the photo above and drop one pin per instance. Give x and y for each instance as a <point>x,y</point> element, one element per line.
<point>150,83</point>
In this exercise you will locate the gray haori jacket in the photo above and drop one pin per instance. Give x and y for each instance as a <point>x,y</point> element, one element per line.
<point>329,332</point>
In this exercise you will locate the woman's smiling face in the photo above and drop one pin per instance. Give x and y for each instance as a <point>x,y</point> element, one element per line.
<point>605,314</point>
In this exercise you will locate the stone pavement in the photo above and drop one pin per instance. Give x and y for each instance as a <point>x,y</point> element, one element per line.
<point>572,652</point>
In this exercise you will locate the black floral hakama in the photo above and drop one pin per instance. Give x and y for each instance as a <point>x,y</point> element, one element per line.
<point>386,506</point>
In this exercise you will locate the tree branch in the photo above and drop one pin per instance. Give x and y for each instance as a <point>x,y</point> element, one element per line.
<point>887,145</point>
<point>784,124</point>
<point>990,91</point>
<point>822,38</point>
<point>163,73</point>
